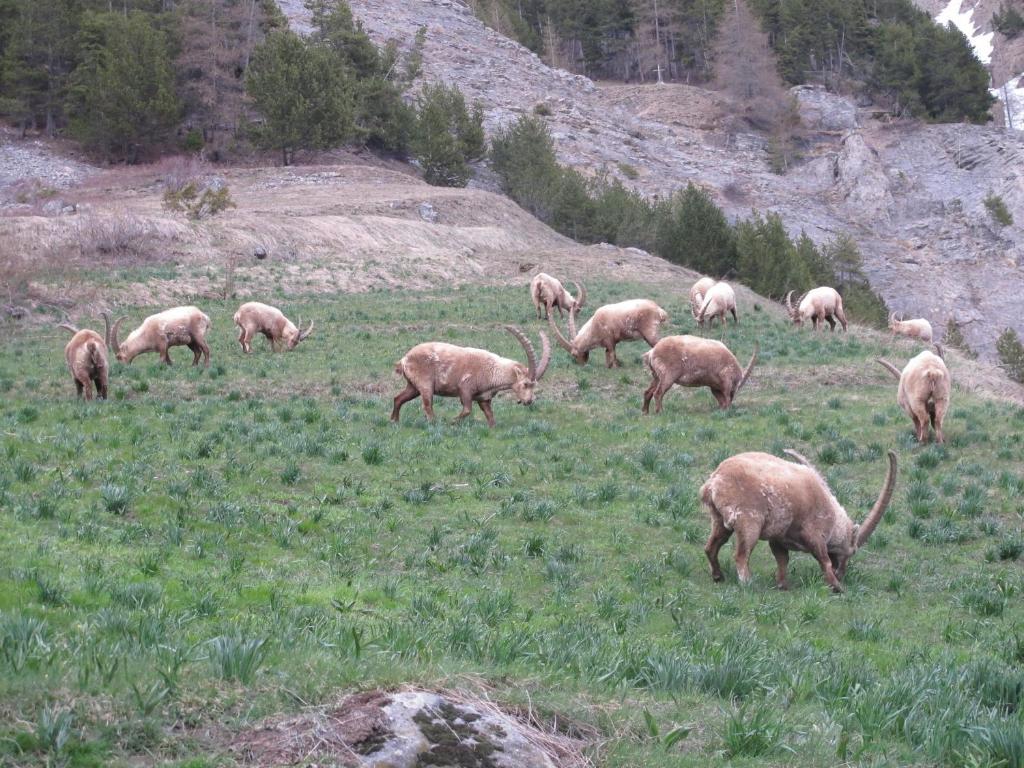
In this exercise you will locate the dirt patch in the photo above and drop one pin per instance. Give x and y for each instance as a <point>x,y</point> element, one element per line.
<point>345,733</point>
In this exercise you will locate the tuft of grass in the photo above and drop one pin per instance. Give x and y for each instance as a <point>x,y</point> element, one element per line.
<point>753,730</point>
<point>116,499</point>
<point>235,657</point>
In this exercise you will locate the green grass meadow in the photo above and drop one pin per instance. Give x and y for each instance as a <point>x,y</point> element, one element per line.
<point>211,547</point>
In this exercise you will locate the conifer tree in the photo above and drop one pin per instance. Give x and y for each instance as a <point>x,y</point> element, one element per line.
<point>1011,354</point>
<point>123,93</point>
<point>304,94</point>
<point>447,136</point>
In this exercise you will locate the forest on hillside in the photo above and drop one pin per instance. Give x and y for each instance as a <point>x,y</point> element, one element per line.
<point>886,48</point>
<point>131,76</point>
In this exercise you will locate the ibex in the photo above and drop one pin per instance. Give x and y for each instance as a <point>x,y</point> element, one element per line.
<point>86,355</point>
<point>697,293</point>
<point>719,299</point>
<point>548,292</point>
<point>691,361</point>
<point>923,392</point>
<point>254,317</point>
<point>472,375</point>
<point>181,326</point>
<point>760,496</point>
<point>818,305</point>
<point>610,324</point>
<point>916,329</point>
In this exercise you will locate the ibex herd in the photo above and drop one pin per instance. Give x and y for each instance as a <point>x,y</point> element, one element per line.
<point>754,495</point>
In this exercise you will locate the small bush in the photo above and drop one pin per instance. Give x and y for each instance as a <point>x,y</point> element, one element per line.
<point>120,235</point>
<point>1011,354</point>
<point>954,338</point>
<point>542,110</point>
<point>199,201</point>
<point>997,209</point>
<point>1008,20</point>
<point>629,171</point>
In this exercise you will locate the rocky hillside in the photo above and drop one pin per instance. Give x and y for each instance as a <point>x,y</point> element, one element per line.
<point>911,194</point>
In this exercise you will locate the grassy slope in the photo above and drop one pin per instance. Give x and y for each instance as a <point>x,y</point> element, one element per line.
<point>557,557</point>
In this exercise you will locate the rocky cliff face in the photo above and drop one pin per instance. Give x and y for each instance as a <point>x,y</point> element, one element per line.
<point>910,194</point>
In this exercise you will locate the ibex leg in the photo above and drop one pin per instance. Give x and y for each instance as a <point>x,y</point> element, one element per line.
<point>719,535</point>
<point>821,555</point>
<point>485,406</point>
<point>409,393</point>
<point>782,560</point>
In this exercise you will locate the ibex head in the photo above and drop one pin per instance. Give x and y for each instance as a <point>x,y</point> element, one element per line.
<point>581,356</point>
<point>293,334</point>
<point>847,541</point>
<point>526,380</point>
<point>794,312</point>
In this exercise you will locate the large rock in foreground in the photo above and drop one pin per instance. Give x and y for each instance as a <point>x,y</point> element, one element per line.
<point>406,729</point>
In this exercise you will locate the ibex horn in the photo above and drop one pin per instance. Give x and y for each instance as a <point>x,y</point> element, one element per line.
<point>875,515</point>
<point>562,342</point>
<point>750,366</point>
<point>889,367</point>
<point>115,345</point>
<point>531,357</point>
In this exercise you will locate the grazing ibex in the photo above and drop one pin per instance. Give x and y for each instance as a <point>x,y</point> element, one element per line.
<point>719,299</point>
<point>923,392</point>
<point>86,355</point>
<point>697,294</point>
<point>181,326</point>
<point>610,324</point>
<point>691,361</point>
<point>254,317</point>
<point>760,496</point>
<point>436,368</point>
<point>818,305</point>
<point>915,329</point>
<point>548,292</point>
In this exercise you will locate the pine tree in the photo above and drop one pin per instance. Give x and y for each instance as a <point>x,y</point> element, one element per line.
<point>1011,354</point>
<point>304,94</point>
<point>123,92</point>
<point>523,156</point>
<point>447,136</point>
<point>39,56</point>
<point>766,258</point>
<point>693,231</point>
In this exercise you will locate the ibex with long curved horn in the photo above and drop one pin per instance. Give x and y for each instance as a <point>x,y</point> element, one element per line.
<point>254,317</point>
<point>86,356</point>
<point>697,293</point>
<point>181,326</point>
<point>818,305</point>
<point>924,390</point>
<point>919,329</point>
<point>719,300</point>
<point>548,292</point>
<point>472,375</point>
<point>691,361</point>
<point>760,496</point>
<point>610,324</point>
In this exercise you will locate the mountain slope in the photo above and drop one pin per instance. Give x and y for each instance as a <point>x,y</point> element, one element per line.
<point>911,194</point>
